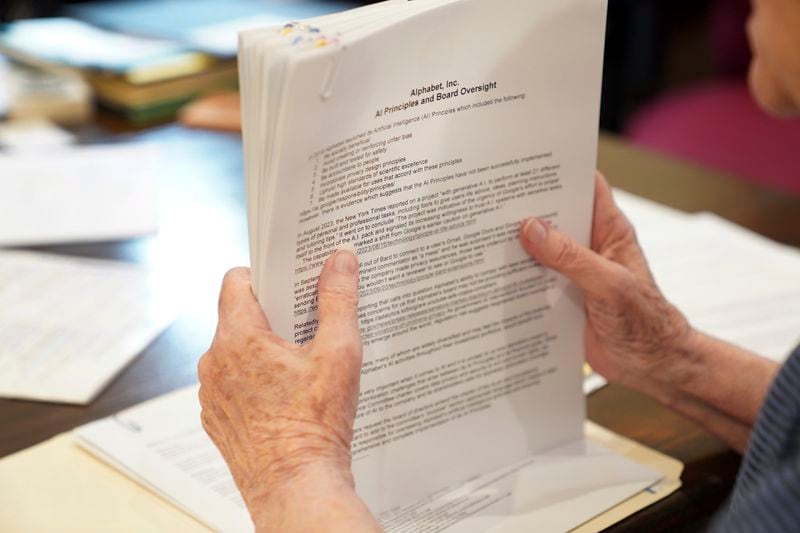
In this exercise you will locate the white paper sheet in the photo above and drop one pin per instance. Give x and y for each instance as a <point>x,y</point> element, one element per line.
<point>32,134</point>
<point>161,444</point>
<point>732,284</point>
<point>77,194</point>
<point>68,325</point>
<point>728,281</point>
<point>652,220</point>
<point>593,382</point>
<point>75,43</point>
<point>221,38</point>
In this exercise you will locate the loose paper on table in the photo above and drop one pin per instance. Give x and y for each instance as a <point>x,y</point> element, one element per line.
<point>78,194</point>
<point>69,325</point>
<point>161,445</point>
<point>729,282</point>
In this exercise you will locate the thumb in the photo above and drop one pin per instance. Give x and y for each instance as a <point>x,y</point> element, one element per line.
<point>590,271</point>
<point>337,298</point>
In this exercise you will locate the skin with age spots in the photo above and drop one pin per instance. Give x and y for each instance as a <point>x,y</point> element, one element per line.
<point>622,283</point>
<point>281,414</point>
<point>634,336</point>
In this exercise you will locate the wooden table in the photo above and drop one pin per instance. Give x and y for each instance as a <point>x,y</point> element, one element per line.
<point>203,231</point>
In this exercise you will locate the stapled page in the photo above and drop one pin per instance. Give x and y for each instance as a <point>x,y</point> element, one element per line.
<point>428,169</point>
<point>263,54</point>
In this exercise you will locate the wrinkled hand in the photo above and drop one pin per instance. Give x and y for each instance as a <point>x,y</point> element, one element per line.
<point>632,331</point>
<point>275,410</point>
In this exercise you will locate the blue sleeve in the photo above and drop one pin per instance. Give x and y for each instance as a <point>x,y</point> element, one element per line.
<point>772,506</point>
<point>767,492</point>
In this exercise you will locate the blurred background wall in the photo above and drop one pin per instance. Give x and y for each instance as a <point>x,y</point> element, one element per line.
<point>652,46</point>
<point>674,81</point>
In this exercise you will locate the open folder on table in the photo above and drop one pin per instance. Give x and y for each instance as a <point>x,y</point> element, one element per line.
<point>167,476</point>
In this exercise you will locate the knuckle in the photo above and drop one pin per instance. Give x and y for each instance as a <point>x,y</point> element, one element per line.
<point>623,285</point>
<point>203,397</point>
<point>234,274</point>
<point>204,367</point>
<point>629,232</point>
<point>205,420</point>
<point>230,280</point>
<point>623,230</point>
<point>263,343</point>
<point>624,288</point>
<point>566,253</point>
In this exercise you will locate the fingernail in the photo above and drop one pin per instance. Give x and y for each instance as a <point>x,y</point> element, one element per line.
<point>345,261</point>
<point>535,231</point>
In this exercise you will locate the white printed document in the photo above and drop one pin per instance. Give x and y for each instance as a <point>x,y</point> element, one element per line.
<point>161,444</point>
<point>69,325</point>
<point>422,133</point>
<point>78,194</point>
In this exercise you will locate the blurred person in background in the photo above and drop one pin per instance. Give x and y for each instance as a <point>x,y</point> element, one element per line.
<point>282,415</point>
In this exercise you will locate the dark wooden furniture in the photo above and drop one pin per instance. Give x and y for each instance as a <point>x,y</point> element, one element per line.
<point>203,232</point>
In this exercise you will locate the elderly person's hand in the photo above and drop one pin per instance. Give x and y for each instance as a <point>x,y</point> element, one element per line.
<point>282,415</point>
<point>632,329</point>
<point>634,336</point>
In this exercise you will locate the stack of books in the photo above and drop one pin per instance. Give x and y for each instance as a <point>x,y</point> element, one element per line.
<point>147,58</point>
<point>160,93</point>
<point>144,79</point>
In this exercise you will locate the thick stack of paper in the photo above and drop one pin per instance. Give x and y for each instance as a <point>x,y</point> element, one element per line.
<point>68,325</point>
<point>421,133</point>
<point>75,194</point>
<point>729,282</point>
<point>162,446</point>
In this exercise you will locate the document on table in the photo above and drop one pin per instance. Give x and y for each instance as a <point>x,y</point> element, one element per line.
<point>162,445</point>
<point>729,282</point>
<point>69,325</point>
<point>732,284</point>
<point>33,134</point>
<point>73,194</point>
